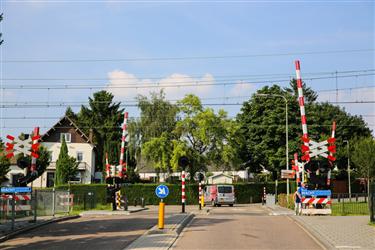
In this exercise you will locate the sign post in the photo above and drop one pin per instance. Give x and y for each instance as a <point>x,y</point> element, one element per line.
<point>161,192</point>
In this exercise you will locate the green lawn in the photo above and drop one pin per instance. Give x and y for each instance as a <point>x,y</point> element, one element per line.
<point>350,208</point>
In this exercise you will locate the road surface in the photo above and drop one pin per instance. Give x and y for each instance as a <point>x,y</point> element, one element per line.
<point>94,233</point>
<point>243,227</point>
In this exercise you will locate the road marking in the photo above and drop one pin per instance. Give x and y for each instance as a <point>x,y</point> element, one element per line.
<point>351,247</point>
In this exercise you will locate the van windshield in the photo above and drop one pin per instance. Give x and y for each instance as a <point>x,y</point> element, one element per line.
<point>224,189</point>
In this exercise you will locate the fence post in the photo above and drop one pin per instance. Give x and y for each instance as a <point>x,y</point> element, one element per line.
<point>84,201</point>
<point>13,211</point>
<point>53,202</point>
<point>35,204</point>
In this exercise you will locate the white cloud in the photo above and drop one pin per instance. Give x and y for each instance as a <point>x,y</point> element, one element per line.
<point>242,89</point>
<point>123,84</point>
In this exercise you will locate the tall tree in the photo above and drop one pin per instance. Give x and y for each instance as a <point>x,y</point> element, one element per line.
<point>205,134</point>
<point>104,117</point>
<point>4,162</point>
<point>66,166</point>
<point>260,134</point>
<point>363,157</point>
<point>153,131</point>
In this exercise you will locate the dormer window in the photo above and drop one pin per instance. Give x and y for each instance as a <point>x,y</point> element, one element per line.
<point>66,136</point>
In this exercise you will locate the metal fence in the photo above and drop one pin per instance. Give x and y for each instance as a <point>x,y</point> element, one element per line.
<point>350,204</point>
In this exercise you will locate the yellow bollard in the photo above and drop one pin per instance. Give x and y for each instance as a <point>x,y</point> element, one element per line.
<point>161,215</point>
<point>202,201</point>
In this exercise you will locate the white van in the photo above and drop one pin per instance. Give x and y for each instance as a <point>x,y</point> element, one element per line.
<point>218,195</point>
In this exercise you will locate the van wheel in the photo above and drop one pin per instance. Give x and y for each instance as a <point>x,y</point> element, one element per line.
<point>219,205</point>
<point>231,205</point>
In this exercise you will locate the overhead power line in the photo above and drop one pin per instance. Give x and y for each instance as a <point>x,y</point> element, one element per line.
<point>194,76</point>
<point>187,58</point>
<point>171,84</point>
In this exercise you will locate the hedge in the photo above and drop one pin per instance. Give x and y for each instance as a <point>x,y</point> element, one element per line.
<point>244,192</point>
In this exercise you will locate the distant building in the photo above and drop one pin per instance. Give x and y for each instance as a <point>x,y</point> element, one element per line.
<point>220,178</point>
<point>80,146</point>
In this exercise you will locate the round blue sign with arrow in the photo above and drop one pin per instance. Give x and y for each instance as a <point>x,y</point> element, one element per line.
<point>162,191</point>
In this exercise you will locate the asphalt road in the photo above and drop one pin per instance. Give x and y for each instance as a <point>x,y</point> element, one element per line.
<point>94,233</point>
<point>243,227</point>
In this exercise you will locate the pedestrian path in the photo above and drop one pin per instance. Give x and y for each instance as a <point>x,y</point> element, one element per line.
<point>162,238</point>
<point>334,232</point>
<point>340,232</point>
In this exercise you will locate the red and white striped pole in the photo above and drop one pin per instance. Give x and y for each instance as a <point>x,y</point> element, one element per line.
<point>301,102</point>
<point>123,168</point>
<point>107,167</point>
<point>34,149</point>
<point>200,195</point>
<point>264,196</point>
<point>331,158</point>
<point>183,198</point>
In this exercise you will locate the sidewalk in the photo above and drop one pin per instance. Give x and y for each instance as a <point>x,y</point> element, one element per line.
<point>334,232</point>
<point>162,238</point>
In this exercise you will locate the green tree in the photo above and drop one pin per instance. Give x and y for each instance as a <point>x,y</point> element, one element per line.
<point>363,158</point>
<point>205,134</point>
<point>151,136</point>
<point>260,131</point>
<point>104,117</point>
<point>4,162</point>
<point>66,166</point>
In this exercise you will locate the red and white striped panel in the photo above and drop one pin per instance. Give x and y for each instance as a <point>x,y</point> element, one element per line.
<point>316,201</point>
<point>17,197</point>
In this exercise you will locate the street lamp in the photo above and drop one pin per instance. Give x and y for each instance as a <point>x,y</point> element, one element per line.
<point>286,135</point>
<point>350,189</point>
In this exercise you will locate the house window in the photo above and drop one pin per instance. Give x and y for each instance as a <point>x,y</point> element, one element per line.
<point>79,156</point>
<point>66,136</point>
<point>50,155</point>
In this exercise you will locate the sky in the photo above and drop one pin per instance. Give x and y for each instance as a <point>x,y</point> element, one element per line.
<point>58,53</point>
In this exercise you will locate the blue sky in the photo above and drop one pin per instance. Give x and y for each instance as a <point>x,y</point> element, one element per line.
<point>66,30</point>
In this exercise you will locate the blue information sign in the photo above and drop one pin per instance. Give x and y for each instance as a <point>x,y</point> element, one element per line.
<point>15,189</point>
<point>315,193</point>
<point>162,191</point>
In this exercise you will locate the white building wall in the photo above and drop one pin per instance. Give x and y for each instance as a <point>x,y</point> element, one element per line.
<point>88,157</point>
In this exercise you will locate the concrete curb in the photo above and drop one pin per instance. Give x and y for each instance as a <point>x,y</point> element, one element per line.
<point>26,229</point>
<point>113,213</point>
<point>183,224</point>
<point>313,234</point>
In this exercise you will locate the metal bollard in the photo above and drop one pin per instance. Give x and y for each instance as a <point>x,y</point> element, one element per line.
<point>142,202</point>
<point>135,202</point>
<point>161,215</point>
<point>251,199</point>
<point>125,204</point>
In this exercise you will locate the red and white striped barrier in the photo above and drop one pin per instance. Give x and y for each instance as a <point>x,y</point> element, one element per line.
<point>107,167</point>
<point>310,147</point>
<point>183,198</point>
<point>34,149</point>
<point>316,201</point>
<point>17,197</point>
<point>122,165</point>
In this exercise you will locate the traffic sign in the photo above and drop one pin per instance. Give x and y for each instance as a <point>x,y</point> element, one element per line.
<point>287,174</point>
<point>15,189</point>
<point>162,191</point>
<point>315,193</point>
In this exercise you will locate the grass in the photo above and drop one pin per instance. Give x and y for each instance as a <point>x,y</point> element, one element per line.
<point>350,208</point>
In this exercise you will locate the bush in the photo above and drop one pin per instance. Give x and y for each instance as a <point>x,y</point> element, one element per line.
<point>283,202</point>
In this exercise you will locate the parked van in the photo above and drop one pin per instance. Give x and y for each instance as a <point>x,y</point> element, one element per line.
<point>218,195</point>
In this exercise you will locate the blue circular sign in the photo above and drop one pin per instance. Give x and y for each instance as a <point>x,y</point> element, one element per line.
<point>162,191</point>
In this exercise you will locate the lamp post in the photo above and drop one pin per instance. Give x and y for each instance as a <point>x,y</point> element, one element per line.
<point>286,136</point>
<point>350,189</point>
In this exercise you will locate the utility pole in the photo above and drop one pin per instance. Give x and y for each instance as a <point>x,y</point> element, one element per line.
<point>350,189</point>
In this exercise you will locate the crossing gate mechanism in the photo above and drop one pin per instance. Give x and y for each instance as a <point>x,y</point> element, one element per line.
<point>23,198</point>
<point>316,199</point>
